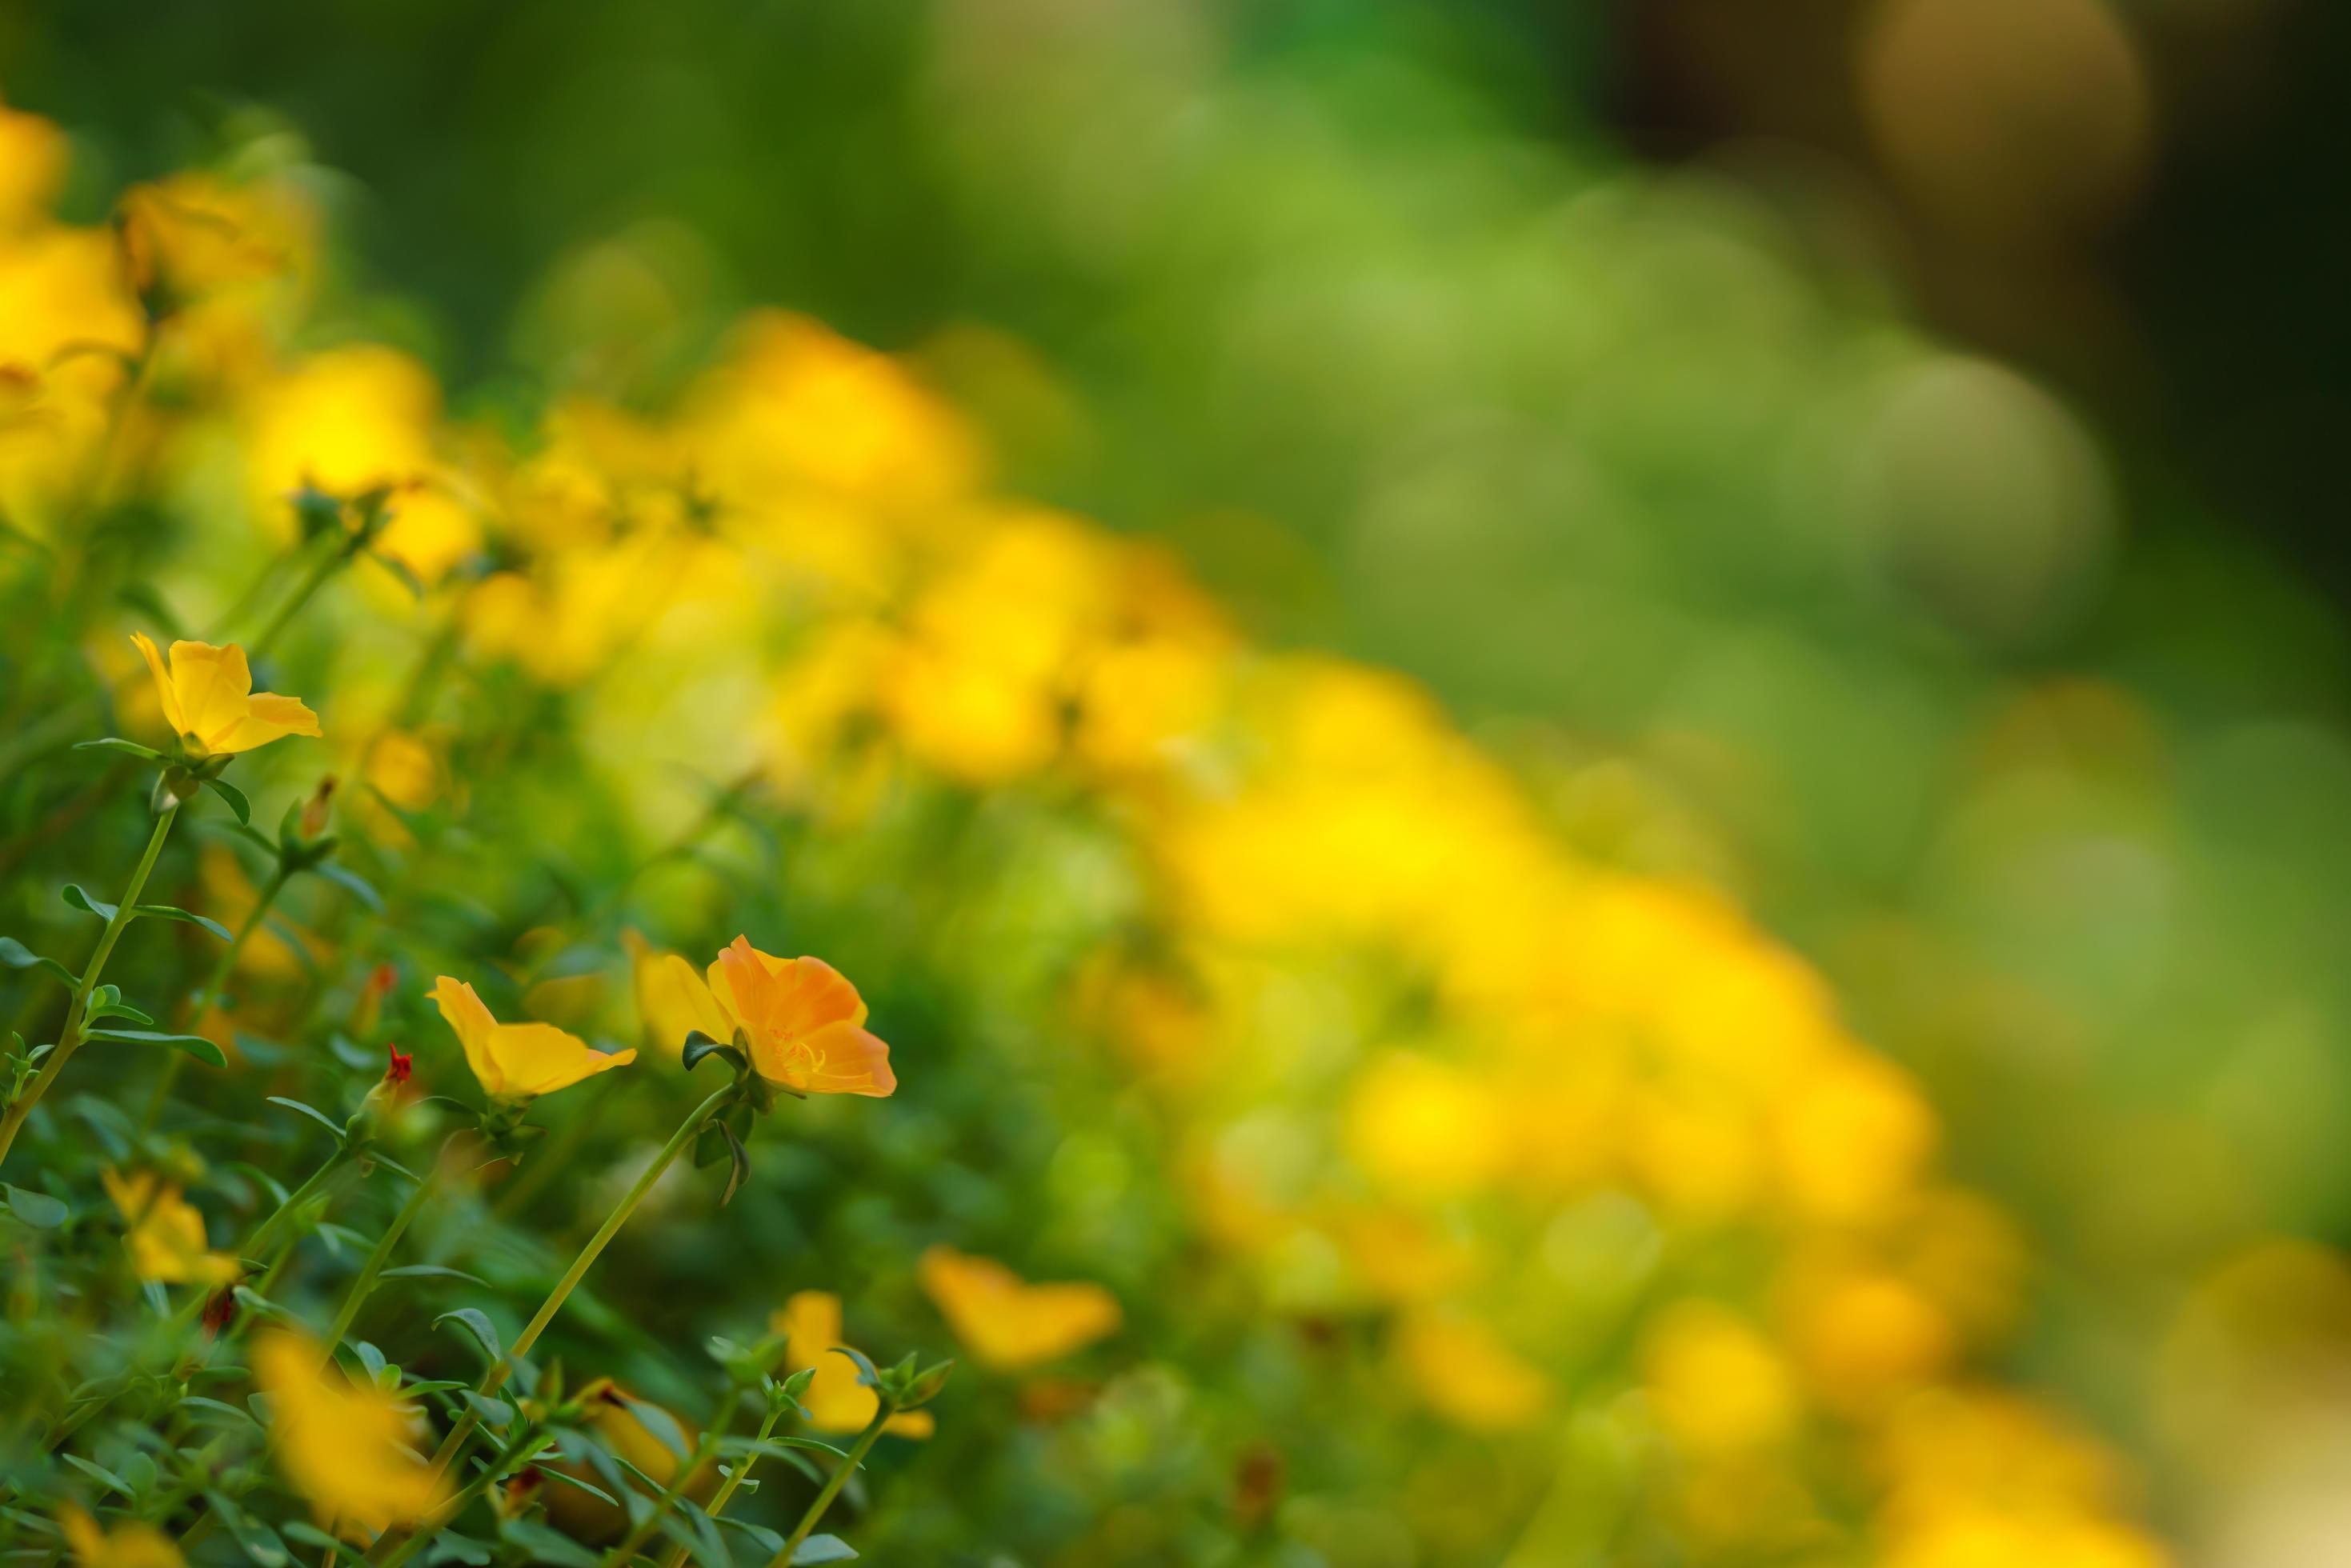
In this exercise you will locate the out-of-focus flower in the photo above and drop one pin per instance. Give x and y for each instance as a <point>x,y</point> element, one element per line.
<point>1008,1323</point>
<point>1468,1375</point>
<point>209,700</point>
<point>32,165</point>
<point>403,1064</point>
<point>518,1061</point>
<point>1719,1384</point>
<point>133,1543</point>
<point>620,1422</point>
<point>346,1447</point>
<point>166,1234</point>
<point>804,1024</point>
<point>835,1400</point>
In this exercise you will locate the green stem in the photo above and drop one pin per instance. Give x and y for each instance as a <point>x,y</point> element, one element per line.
<point>208,997</point>
<point>69,1039</point>
<point>735,1477</point>
<point>432,1523</point>
<point>833,1483</point>
<point>326,566</point>
<point>495,1379</point>
<point>354,1298</point>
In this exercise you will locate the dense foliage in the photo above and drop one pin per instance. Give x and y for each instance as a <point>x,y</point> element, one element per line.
<point>1305,1155</point>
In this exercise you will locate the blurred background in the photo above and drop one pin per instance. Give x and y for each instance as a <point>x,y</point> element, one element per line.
<point>1880,455</point>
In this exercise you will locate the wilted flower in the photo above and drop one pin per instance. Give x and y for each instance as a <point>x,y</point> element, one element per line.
<point>166,1237</point>
<point>518,1061</point>
<point>836,1401</point>
<point>345,1447</point>
<point>802,1022</point>
<point>1008,1323</point>
<point>209,700</point>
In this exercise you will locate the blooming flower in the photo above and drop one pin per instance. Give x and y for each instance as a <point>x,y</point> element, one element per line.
<point>835,1400</point>
<point>166,1237</point>
<point>802,1022</point>
<point>132,1545</point>
<point>518,1061</point>
<point>1008,1323</point>
<point>343,1447</point>
<point>209,700</point>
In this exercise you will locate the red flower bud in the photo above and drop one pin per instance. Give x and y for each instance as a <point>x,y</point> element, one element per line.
<point>403,1062</point>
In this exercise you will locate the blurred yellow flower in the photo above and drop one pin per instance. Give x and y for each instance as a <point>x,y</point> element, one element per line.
<point>1468,1375</point>
<point>518,1061</point>
<point>209,700</point>
<point>1008,1323</point>
<point>131,1544</point>
<point>166,1234</point>
<point>1718,1385</point>
<point>803,1023</point>
<point>32,165</point>
<point>1422,1125</point>
<point>346,1447</point>
<point>836,1401</point>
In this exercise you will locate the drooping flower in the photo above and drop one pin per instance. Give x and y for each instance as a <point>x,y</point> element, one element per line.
<point>1008,1323</point>
<point>166,1235</point>
<point>803,1023</point>
<point>518,1061</point>
<point>835,1400</point>
<point>131,1544</point>
<point>209,700</point>
<point>346,1447</point>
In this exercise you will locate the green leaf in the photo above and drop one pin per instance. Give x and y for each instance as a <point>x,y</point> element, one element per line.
<point>74,896</point>
<point>766,1540</point>
<point>549,1472</point>
<point>822,1549</point>
<point>38,1210</point>
<point>202,1405</point>
<point>127,748</point>
<point>484,1333</point>
<point>698,1046</point>
<point>16,955</point>
<point>739,1170</point>
<point>167,912</point>
<point>316,1115</point>
<point>451,1547</point>
<point>107,1002</point>
<point>233,796</point>
<point>496,1414</point>
<point>251,835</point>
<point>401,569</point>
<point>98,1473</point>
<point>542,1545</point>
<point>779,1447</point>
<point>195,1046</point>
<point>351,882</point>
<point>430,1271</point>
<point>310,1534</point>
<point>866,1375</point>
<point>659,1422</point>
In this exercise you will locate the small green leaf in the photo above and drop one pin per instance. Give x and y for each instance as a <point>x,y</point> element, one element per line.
<point>698,1046</point>
<point>38,1210</point>
<point>549,1472</point>
<point>107,1002</point>
<point>81,900</point>
<point>495,1413</point>
<point>866,1375</point>
<point>195,1046</point>
<point>322,1118</point>
<point>430,1271</point>
<point>233,796</point>
<point>542,1545</point>
<point>127,748</point>
<point>98,1473</point>
<point>16,955</point>
<point>166,912</point>
<point>659,1422</point>
<point>740,1169</point>
<point>310,1534</point>
<point>401,569</point>
<point>486,1335</point>
<point>822,1549</point>
<point>351,882</point>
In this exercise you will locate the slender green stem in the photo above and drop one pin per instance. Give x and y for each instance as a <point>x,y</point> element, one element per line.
<point>69,1039</point>
<point>364,1282</point>
<point>687,1467</point>
<point>833,1483</point>
<point>735,1479</point>
<point>210,996</point>
<point>325,567</point>
<point>495,1379</point>
<point>432,1523</point>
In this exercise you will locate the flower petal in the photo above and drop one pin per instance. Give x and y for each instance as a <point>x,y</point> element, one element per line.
<point>472,1023</point>
<point>842,1059</point>
<point>268,718</point>
<point>164,688</point>
<point>213,685</point>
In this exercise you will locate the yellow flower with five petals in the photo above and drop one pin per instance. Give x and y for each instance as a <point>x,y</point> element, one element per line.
<point>210,702</point>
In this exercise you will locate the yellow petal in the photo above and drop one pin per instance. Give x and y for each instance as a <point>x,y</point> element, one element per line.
<point>267,718</point>
<point>472,1023</point>
<point>214,689</point>
<point>671,999</point>
<point>165,689</point>
<point>1008,1323</point>
<point>539,1058</point>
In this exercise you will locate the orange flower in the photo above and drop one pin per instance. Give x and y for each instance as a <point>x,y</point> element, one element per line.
<point>803,1024</point>
<point>518,1061</point>
<point>1008,1321</point>
<point>209,700</point>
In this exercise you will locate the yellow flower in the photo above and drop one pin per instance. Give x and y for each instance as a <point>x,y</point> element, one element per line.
<point>804,1024</point>
<point>133,1545</point>
<point>1008,1323</point>
<point>208,699</point>
<point>835,1400</point>
<point>166,1237</point>
<point>345,1447</point>
<point>518,1061</point>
